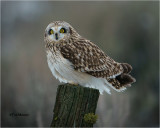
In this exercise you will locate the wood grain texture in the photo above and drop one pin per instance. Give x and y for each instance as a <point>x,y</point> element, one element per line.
<point>72,103</point>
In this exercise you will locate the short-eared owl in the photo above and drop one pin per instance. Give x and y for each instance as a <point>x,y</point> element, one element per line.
<point>76,60</point>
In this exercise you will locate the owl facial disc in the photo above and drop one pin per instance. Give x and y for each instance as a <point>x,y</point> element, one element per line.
<point>57,32</point>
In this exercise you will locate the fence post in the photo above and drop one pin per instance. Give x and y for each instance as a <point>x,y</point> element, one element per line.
<point>75,106</point>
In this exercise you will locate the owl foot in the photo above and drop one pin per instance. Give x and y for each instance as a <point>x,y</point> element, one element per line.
<point>72,83</point>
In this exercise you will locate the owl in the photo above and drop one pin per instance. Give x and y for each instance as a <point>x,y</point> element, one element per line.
<point>75,60</point>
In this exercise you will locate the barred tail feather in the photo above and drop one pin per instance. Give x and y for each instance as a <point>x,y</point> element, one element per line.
<point>126,68</point>
<point>125,79</point>
<point>121,82</point>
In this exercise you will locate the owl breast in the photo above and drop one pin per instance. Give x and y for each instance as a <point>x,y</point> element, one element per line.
<point>63,70</point>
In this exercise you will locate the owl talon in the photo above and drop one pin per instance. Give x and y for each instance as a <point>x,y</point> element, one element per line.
<point>74,84</point>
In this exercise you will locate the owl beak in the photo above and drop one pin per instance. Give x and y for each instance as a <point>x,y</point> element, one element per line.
<point>56,36</point>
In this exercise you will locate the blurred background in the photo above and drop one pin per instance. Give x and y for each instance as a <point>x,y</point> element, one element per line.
<point>126,31</point>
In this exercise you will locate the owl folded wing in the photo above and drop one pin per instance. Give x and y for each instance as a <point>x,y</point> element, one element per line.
<point>89,58</point>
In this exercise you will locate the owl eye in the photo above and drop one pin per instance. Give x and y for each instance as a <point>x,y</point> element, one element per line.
<point>62,30</point>
<point>50,31</point>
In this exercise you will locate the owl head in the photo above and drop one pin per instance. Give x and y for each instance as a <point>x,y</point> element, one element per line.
<point>59,30</point>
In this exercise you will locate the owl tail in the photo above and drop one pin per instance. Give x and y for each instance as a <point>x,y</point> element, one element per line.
<point>120,82</point>
<point>126,68</point>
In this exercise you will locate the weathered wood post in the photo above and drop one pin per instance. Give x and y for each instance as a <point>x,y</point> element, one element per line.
<point>75,106</point>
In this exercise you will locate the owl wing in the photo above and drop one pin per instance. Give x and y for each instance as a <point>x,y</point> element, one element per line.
<point>87,57</point>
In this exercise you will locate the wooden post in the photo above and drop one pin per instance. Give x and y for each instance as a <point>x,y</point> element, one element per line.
<point>75,106</point>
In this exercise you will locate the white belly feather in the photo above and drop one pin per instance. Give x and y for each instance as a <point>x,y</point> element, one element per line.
<point>63,70</point>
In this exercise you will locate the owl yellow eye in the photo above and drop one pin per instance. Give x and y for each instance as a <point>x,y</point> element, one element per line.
<point>62,30</point>
<point>51,32</point>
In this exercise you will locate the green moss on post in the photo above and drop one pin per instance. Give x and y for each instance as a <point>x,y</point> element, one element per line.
<point>90,118</point>
<point>75,106</point>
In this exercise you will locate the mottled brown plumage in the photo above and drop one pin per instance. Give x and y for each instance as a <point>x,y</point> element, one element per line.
<point>85,57</point>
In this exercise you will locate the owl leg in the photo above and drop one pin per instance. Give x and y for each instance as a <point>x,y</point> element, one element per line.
<point>73,83</point>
